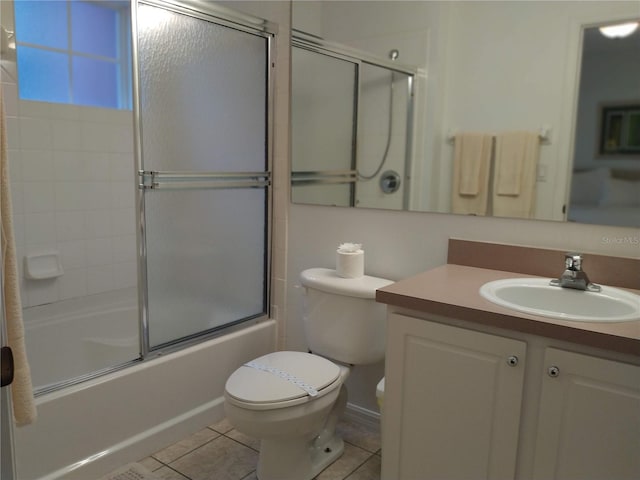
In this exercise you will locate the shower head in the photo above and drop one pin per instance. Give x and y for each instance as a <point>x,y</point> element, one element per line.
<point>393,54</point>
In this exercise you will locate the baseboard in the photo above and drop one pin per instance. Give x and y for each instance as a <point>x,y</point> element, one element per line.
<point>363,416</point>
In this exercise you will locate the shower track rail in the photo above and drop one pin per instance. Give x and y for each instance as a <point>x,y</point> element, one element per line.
<point>149,179</point>
<point>324,177</point>
<point>317,44</point>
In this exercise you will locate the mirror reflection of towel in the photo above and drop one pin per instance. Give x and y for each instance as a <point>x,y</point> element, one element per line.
<point>514,181</point>
<point>471,166</point>
<point>514,152</point>
<point>473,153</point>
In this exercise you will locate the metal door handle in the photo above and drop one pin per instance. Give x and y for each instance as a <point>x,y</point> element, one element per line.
<point>6,366</point>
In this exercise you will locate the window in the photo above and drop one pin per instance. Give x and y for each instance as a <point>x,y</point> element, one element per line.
<point>74,51</point>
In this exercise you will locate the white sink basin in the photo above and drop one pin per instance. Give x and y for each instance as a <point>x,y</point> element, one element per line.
<point>537,297</point>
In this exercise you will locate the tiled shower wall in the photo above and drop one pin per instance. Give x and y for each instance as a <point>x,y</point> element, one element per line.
<point>72,180</point>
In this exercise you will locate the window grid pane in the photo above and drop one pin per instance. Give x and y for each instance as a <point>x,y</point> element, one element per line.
<point>42,23</point>
<point>94,83</point>
<point>93,29</point>
<point>43,75</point>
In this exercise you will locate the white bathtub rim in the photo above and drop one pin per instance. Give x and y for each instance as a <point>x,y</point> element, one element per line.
<point>131,340</point>
<point>39,323</point>
<point>116,300</point>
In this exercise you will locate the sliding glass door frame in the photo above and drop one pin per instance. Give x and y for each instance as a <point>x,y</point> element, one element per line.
<point>149,180</point>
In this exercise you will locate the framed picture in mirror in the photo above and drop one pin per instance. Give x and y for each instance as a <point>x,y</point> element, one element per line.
<point>620,130</point>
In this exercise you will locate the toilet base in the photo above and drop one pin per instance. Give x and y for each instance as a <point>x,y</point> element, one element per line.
<point>326,455</point>
<point>297,459</point>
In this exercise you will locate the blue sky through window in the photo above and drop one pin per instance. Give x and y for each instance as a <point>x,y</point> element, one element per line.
<point>94,29</point>
<point>42,23</point>
<point>73,51</point>
<point>91,76</point>
<point>43,75</point>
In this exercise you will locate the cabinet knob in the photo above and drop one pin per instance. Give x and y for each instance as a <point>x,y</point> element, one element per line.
<point>553,371</point>
<point>512,360</point>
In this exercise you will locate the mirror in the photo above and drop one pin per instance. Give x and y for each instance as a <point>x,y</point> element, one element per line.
<point>474,67</point>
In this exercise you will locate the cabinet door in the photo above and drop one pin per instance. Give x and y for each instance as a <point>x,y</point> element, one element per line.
<point>452,402</point>
<point>589,419</point>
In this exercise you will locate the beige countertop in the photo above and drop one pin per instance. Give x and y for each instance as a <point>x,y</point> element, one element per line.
<point>453,291</point>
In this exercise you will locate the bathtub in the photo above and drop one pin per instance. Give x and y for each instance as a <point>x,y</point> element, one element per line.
<point>75,337</point>
<point>87,430</point>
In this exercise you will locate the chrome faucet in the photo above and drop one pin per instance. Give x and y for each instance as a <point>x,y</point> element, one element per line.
<point>574,276</point>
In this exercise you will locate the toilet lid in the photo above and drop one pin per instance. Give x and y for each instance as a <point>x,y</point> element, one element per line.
<point>277,382</point>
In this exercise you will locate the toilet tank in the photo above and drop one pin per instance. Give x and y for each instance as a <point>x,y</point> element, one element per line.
<point>342,320</point>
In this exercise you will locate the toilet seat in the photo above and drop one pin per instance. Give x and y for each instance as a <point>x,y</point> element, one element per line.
<point>257,388</point>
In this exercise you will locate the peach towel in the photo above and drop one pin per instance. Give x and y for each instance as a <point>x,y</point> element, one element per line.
<point>24,410</point>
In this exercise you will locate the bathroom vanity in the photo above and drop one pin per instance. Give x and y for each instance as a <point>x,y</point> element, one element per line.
<point>474,390</point>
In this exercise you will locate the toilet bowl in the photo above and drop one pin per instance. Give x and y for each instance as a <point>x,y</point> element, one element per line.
<point>292,401</point>
<point>263,399</point>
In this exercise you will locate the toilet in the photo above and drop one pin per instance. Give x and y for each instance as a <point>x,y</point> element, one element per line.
<point>292,401</point>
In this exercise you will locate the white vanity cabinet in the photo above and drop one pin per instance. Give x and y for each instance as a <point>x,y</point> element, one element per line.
<point>464,404</point>
<point>452,404</point>
<point>588,419</point>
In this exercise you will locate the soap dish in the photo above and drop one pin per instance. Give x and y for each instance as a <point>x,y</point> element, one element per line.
<point>43,266</point>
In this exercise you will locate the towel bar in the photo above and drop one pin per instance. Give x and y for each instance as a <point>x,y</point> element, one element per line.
<point>544,134</point>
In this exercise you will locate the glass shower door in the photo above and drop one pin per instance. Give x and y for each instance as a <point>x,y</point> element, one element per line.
<point>203,117</point>
<point>323,128</point>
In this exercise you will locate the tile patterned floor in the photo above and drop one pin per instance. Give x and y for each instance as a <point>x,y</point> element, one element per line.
<point>222,453</point>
